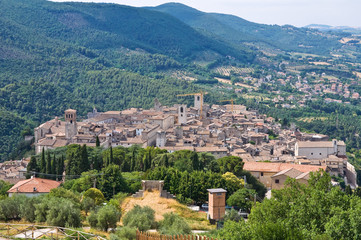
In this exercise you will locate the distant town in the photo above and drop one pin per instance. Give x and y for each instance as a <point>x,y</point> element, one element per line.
<point>270,152</point>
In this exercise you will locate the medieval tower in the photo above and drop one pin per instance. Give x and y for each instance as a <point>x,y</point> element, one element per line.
<point>182,114</point>
<point>198,101</point>
<point>70,124</point>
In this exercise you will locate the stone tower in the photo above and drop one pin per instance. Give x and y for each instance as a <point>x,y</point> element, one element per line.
<point>70,124</point>
<point>182,114</point>
<point>157,105</point>
<point>161,139</point>
<point>198,101</point>
<point>216,203</point>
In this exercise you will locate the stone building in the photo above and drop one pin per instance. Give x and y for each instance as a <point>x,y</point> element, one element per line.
<point>321,149</point>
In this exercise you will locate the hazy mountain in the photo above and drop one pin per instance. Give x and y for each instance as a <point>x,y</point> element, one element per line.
<point>322,27</point>
<point>238,30</point>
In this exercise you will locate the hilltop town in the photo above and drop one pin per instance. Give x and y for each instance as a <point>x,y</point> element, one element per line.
<point>221,130</point>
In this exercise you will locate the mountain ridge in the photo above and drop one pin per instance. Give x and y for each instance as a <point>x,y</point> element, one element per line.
<point>238,30</point>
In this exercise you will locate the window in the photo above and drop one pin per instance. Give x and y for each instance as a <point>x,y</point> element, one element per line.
<point>219,194</point>
<point>320,153</point>
<point>277,181</point>
<point>311,153</point>
<point>261,174</point>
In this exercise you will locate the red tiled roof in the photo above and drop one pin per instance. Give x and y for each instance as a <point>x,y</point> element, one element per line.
<point>277,167</point>
<point>28,186</point>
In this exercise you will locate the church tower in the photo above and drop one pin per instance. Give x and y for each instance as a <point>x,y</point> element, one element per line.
<point>71,128</point>
<point>198,101</point>
<point>182,114</point>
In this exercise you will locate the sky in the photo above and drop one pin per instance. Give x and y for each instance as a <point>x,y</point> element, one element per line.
<point>294,12</point>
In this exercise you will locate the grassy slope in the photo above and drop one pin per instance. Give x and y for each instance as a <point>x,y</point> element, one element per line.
<point>197,220</point>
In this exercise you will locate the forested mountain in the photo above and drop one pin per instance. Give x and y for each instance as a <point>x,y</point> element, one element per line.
<point>107,26</point>
<point>237,30</point>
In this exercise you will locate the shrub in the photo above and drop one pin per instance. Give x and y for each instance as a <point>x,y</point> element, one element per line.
<point>28,209</point>
<point>106,217</point>
<point>87,204</point>
<point>242,198</point>
<point>141,218</point>
<point>96,195</point>
<point>117,200</point>
<point>125,233</point>
<point>41,209</point>
<point>63,213</point>
<point>10,208</point>
<point>172,224</point>
<point>232,216</point>
<point>184,200</point>
<point>64,193</point>
<point>92,219</point>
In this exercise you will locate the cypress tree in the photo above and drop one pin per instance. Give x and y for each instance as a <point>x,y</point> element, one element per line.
<point>42,162</point>
<point>77,161</point>
<point>70,166</point>
<point>84,163</point>
<point>53,166</point>
<point>195,161</point>
<point>132,163</point>
<point>60,168</point>
<point>111,160</point>
<point>97,142</point>
<point>48,165</point>
<point>166,161</point>
<point>32,166</point>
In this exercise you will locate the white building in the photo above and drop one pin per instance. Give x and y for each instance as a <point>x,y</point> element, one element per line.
<point>320,150</point>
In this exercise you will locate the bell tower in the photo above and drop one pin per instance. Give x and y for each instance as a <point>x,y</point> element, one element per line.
<point>182,114</point>
<point>198,101</point>
<point>70,123</point>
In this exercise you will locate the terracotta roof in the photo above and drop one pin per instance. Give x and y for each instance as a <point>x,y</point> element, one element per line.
<point>211,149</point>
<point>291,172</point>
<point>277,167</point>
<point>177,148</point>
<point>47,142</point>
<point>113,112</point>
<point>305,176</point>
<point>34,185</point>
<point>60,143</point>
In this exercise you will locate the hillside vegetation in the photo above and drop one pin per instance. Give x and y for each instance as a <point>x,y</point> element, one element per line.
<point>237,30</point>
